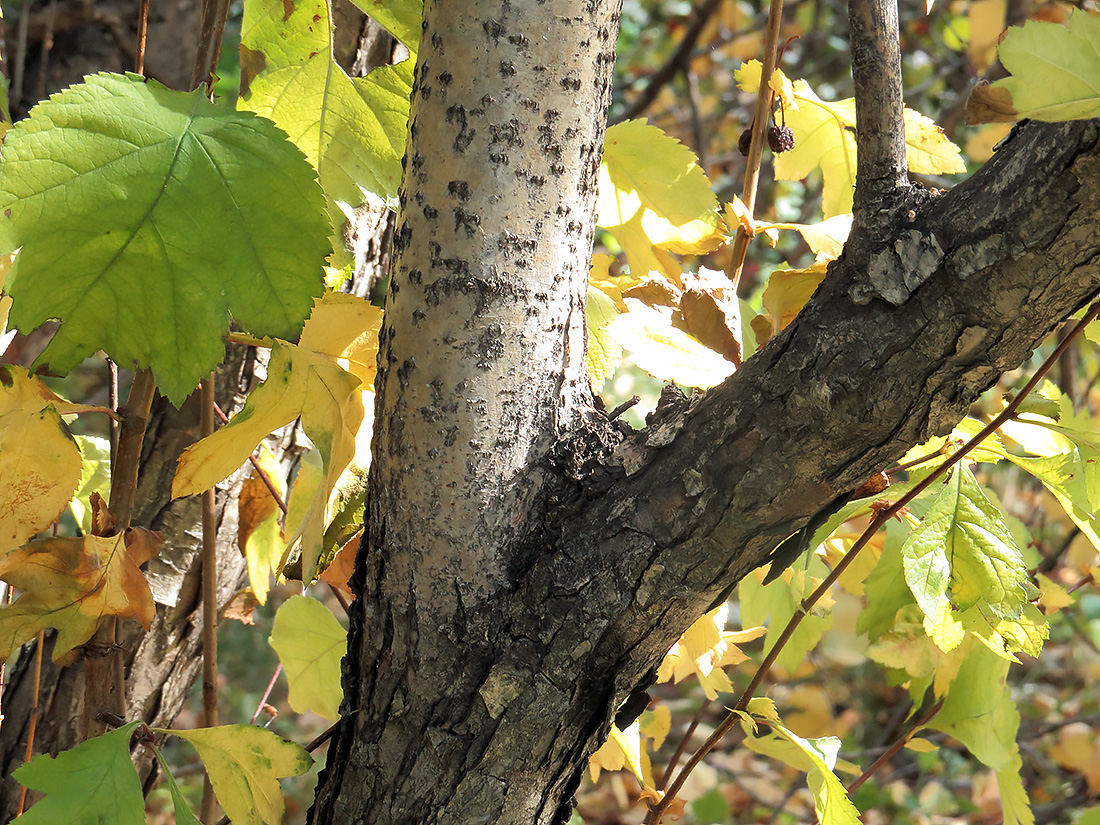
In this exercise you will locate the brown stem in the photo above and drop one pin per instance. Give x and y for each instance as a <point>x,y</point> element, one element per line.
<point>214,14</point>
<point>267,693</point>
<point>883,516</point>
<point>143,27</point>
<point>759,126</point>
<point>682,745</point>
<point>104,688</point>
<point>209,599</point>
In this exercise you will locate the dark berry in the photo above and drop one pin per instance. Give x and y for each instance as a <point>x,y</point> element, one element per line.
<point>744,141</point>
<point>780,139</point>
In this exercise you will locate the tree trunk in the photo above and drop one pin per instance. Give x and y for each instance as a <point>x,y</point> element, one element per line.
<point>483,356</point>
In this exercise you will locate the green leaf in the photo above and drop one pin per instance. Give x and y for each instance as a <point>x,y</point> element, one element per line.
<point>963,556</point>
<point>816,757</point>
<point>352,131</point>
<point>774,605</point>
<point>978,711</point>
<point>885,589</point>
<point>146,218</point>
<point>310,643</point>
<point>1055,70</point>
<point>92,784</point>
<point>183,812</point>
<point>244,764</point>
<point>401,18</point>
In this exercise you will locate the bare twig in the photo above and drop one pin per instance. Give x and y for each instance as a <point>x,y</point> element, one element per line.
<point>143,27</point>
<point>265,477</point>
<point>267,693</point>
<point>214,14</point>
<point>681,746</point>
<point>899,743</point>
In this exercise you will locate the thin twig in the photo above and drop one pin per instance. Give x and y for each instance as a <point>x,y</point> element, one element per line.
<point>19,65</point>
<point>880,519</point>
<point>34,714</point>
<point>676,62</point>
<point>267,693</point>
<point>899,743</point>
<point>112,402</point>
<point>143,27</point>
<point>682,744</point>
<point>209,598</point>
<point>764,98</point>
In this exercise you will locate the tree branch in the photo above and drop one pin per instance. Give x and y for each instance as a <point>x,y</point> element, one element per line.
<point>880,127</point>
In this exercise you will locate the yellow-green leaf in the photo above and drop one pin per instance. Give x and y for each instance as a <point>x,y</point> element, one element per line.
<point>1055,73</point>
<point>603,354</point>
<point>310,643</point>
<point>259,534</point>
<point>244,764</point>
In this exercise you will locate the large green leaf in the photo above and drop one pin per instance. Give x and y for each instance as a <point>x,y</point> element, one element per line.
<point>352,131</point>
<point>92,784</point>
<point>962,556</point>
<point>146,218</point>
<point>311,644</point>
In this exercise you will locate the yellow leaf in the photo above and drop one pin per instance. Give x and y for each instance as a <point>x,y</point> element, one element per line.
<point>259,534</point>
<point>825,239</point>
<point>1055,596</point>
<point>787,292</point>
<point>310,643</point>
<point>918,745</point>
<point>603,354</point>
<point>656,724</point>
<point>71,583</point>
<point>666,352</point>
<point>610,285</point>
<point>1074,748</point>
<point>649,175</point>
<point>704,649</point>
<point>321,379</point>
<point>979,146</point>
<point>244,764</point>
<point>927,149</point>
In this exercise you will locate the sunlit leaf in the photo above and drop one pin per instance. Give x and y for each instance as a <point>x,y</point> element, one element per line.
<point>95,477</point>
<point>963,556</point>
<point>705,648</point>
<point>71,583</point>
<point>352,131</point>
<point>1054,73</point>
<point>244,764</point>
<point>667,352</point>
<point>310,643</point>
<point>322,379</point>
<point>603,354</point>
<point>401,18</point>
<point>92,784</point>
<point>147,218</point>
<point>825,239</point>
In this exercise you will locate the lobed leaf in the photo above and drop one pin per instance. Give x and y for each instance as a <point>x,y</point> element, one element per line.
<point>94,783</point>
<point>244,764</point>
<point>147,218</point>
